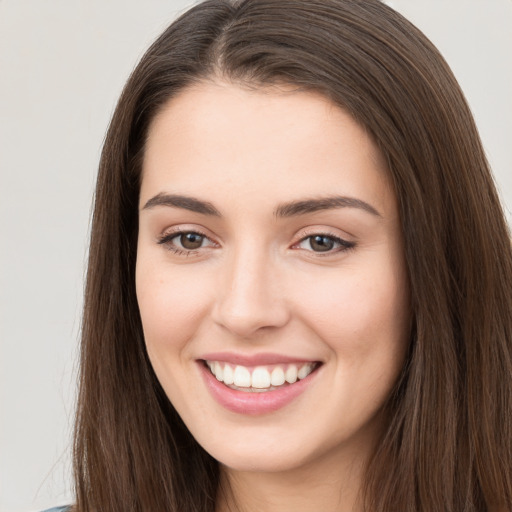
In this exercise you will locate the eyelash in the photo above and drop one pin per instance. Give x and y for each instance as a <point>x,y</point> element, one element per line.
<point>166,240</point>
<point>344,245</point>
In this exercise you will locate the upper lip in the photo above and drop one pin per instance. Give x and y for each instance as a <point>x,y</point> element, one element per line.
<point>254,359</point>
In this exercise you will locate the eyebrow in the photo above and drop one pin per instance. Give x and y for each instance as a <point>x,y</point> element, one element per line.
<point>302,207</point>
<point>184,202</point>
<point>291,209</point>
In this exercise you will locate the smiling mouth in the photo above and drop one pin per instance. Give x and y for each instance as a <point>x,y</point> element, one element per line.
<point>260,379</point>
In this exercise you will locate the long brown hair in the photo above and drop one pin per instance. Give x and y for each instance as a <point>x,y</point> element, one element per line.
<point>448,445</point>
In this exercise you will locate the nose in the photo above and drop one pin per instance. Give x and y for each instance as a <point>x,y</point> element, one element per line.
<point>251,296</point>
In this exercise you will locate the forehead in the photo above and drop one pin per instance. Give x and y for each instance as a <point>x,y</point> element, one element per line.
<point>273,143</point>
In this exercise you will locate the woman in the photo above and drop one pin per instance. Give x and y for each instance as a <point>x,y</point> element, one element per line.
<point>298,295</point>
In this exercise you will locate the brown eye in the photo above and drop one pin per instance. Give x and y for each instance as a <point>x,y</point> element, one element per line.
<point>323,243</point>
<point>191,241</point>
<point>185,242</point>
<point>320,243</point>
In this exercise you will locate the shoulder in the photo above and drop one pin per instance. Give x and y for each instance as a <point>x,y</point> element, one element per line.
<point>58,509</point>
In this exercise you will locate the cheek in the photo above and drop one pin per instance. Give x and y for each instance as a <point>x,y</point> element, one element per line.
<point>361,315</point>
<point>364,321</point>
<point>171,304</point>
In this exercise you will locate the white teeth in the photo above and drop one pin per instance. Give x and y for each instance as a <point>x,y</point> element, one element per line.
<point>260,378</point>
<point>277,377</point>
<point>242,377</point>
<point>228,374</point>
<point>304,371</point>
<point>291,374</point>
<point>218,371</point>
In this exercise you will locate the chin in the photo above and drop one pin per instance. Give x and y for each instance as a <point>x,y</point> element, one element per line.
<point>269,449</point>
<point>255,461</point>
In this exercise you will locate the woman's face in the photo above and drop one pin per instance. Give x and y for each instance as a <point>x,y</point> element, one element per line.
<point>270,250</point>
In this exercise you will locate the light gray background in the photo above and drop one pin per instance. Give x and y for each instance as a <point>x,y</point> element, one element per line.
<point>62,66</point>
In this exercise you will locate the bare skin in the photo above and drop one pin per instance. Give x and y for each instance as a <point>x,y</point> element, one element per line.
<point>268,225</point>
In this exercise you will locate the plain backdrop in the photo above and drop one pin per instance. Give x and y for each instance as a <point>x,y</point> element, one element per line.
<point>62,66</point>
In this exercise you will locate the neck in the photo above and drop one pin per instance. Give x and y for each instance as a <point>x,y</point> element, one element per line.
<point>323,485</point>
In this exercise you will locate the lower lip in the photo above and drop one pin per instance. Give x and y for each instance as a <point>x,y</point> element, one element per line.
<point>253,403</point>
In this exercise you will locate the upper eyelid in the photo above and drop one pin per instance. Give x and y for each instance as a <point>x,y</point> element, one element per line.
<point>314,231</point>
<point>302,234</point>
<point>167,238</point>
<point>341,241</point>
<point>179,230</point>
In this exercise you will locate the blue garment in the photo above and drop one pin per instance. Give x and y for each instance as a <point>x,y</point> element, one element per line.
<point>57,509</point>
